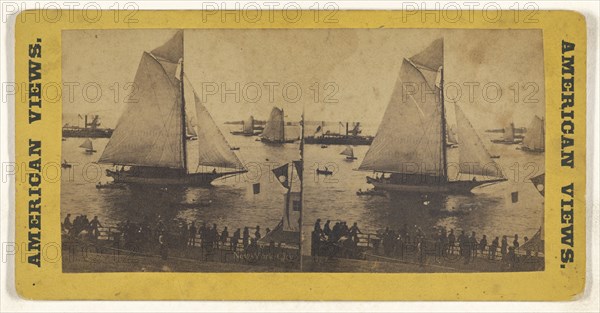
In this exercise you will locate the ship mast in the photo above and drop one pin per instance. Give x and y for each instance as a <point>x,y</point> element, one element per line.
<point>301,175</point>
<point>283,126</point>
<point>183,117</point>
<point>444,166</point>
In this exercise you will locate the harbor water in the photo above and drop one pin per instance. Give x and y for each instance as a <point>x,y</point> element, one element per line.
<point>228,202</point>
<point>489,210</point>
<point>231,202</point>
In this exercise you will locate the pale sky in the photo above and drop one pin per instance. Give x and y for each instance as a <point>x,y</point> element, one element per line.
<point>361,66</point>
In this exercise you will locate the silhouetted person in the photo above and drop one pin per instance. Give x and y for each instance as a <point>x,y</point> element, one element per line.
<point>354,231</point>
<point>257,235</point>
<point>214,236</point>
<point>235,239</point>
<point>451,241</point>
<point>504,246</point>
<point>315,244</point>
<point>246,238</point>
<point>482,244</point>
<point>224,236</point>
<point>94,226</point>
<point>494,248</point>
<point>516,242</point>
<point>327,229</point>
<point>67,225</point>
<point>473,245</point>
<point>193,232</point>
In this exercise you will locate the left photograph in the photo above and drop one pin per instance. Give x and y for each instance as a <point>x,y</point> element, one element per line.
<point>169,165</point>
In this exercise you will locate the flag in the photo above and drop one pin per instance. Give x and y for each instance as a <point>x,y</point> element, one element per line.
<point>298,165</point>
<point>282,175</point>
<point>515,197</point>
<point>256,188</point>
<point>539,183</point>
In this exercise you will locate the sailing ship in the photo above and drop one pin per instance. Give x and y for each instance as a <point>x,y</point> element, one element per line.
<point>247,128</point>
<point>274,131</point>
<point>535,138</point>
<point>509,137</point>
<point>88,146</point>
<point>410,146</point>
<point>350,137</point>
<point>349,153</point>
<point>168,137</point>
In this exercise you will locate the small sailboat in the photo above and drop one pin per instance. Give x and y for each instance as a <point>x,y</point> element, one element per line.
<point>274,132</point>
<point>349,153</point>
<point>509,137</point>
<point>325,172</point>
<point>88,146</point>
<point>371,192</point>
<point>410,147</point>
<point>65,164</point>
<point>156,133</point>
<point>247,128</point>
<point>534,140</point>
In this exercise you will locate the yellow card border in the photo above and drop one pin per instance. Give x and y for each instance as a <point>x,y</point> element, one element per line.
<point>48,281</point>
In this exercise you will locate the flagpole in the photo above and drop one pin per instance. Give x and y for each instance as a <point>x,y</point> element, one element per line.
<point>301,185</point>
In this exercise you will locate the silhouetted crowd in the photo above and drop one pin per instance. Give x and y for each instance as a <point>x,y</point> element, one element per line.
<point>179,234</point>
<point>340,238</point>
<point>81,224</point>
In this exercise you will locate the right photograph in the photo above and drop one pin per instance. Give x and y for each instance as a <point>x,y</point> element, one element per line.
<point>430,157</point>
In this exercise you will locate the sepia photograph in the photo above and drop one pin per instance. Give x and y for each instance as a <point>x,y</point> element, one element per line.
<point>303,150</point>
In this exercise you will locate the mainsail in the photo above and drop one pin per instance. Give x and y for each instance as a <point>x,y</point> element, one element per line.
<point>473,157</point>
<point>153,132</point>
<point>348,152</point>
<point>149,131</point>
<point>535,137</point>
<point>275,127</point>
<point>409,137</point>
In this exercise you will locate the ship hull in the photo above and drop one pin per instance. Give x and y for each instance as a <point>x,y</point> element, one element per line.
<point>276,142</point>
<point>340,140</point>
<point>451,187</point>
<point>241,133</point>
<point>532,150</point>
<point>160,179</point>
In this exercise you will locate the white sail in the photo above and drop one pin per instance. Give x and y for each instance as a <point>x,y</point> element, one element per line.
<point>87,144</point>
<point>348,152</point>
<point>291,212</point>
<point>149,132</point>
<point>452,136</point>
<point>409,137</point>
<point>275,127</point>
<point>535,137</point>
<point>473,157</point>
<point>213,149</point>
<point>248,127</point>
<point>509,132</point>
<point>191,117</point>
